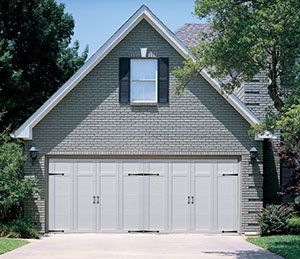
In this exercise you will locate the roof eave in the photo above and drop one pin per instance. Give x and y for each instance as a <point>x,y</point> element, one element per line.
<point>25,131</point>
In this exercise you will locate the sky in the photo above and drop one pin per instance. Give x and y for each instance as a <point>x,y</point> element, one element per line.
<point>97,20</point>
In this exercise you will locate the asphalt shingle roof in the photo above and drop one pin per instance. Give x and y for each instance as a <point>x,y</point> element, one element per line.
<point>189,33</point>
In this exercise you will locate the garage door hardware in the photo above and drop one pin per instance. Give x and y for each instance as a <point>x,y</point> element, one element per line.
<point>94,199</point>
<point>230,174</point>
<point>229,231</point>
<point>189,200</point>
<point>143,174</point>
<point>143,231</point>
<point>56,174</point>
<point>56,231</point>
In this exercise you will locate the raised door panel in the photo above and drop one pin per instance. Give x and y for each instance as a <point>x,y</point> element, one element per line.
<point>132,197</point>
<point>227,197</point>
<point>180,190</point>
<point>60,195</point>
<point>156,197</point>
<point>203,197</point>
<point>108,194</point>
<point>85,201</point>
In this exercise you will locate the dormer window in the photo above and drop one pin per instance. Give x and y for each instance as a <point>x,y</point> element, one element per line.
<point>144,81</point>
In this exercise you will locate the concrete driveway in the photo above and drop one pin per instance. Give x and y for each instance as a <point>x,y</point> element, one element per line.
<point>95,246</point>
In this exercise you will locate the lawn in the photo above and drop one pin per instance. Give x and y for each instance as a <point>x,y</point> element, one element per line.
<point>287,246</point>
<point>8,244</point>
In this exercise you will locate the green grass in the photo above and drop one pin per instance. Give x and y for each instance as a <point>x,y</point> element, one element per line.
<point>8,244</point>
<point>287,246</point>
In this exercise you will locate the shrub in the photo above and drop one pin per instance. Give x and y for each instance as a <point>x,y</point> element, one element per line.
<point>14,189</point>
<point>294,225</point>
<point>19,228</point>
<point>274,219</point>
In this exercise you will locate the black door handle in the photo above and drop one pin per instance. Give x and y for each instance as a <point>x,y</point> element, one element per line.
<point>192,199</point>
<point>94,199</point>
<point>98,199</point>
<point>189,200</point>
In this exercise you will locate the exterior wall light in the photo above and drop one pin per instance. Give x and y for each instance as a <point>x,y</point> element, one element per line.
<point>253,154</point>
<point>33,152</point>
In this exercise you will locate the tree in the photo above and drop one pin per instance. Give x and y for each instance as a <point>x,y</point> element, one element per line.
<point>248,37</point>
<point>35,57</point>
<point>289,123</point>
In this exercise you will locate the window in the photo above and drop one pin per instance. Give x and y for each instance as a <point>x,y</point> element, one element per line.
<point>143,81</point>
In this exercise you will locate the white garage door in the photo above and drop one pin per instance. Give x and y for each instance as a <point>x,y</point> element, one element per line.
<point>143,195</point>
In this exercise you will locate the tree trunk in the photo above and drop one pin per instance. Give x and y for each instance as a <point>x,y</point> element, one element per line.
<point>274,77</point>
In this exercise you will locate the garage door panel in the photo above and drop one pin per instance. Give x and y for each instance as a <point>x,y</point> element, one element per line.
<point>203,203</point>
<point>60,195</point>
<point>60,203</point>
<point>85,203</point>
<point>227,167</point>
<point>157,203</point>
<point>227,203</point>
<point>132,168</point>
<point>131,201</point>
<point>203,189</point>
<point>108,196</point>
<point>108,202</point>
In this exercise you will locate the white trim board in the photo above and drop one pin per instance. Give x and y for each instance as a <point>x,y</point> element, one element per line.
<point>25,130</point>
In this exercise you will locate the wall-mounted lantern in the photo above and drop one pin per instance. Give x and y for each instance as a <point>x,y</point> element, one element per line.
<point>33,152</point>
<point>253,154</point>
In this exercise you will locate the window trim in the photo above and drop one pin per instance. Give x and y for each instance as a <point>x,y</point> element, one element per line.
<point>144,80</point>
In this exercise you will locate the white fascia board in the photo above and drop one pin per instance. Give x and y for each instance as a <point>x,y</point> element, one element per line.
<point>25,131</point>
<point>232,99</point>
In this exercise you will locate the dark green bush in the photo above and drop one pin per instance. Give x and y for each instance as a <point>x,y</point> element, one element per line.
<point>274,219</point>
<point>14,189</point>
<point>294,225</point>
<point>19,228</point>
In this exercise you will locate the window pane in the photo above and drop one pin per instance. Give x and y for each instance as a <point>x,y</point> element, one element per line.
<point>143,69</point>
<point>143,91</point>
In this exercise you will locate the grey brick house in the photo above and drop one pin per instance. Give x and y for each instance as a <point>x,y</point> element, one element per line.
<point>119,152</point>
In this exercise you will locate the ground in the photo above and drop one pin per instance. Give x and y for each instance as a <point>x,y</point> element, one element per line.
<point>159,246</point>
<point>287,246</point>
<point>8,244</point>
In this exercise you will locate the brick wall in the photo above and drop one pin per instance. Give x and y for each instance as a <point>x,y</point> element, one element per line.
<point>91,121</point>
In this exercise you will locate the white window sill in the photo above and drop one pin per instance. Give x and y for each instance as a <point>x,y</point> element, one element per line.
<point>143,104</point>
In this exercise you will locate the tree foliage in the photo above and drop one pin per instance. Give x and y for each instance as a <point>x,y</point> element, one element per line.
<point>248,37</point>
<point>289,124</point>
<point>14,189</point>
<point>35,57</point>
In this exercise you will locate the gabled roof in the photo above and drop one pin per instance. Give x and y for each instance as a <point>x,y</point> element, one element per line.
<point>25,131</point>
<point>189,33</point>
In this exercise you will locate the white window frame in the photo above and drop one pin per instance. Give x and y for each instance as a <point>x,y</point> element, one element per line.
<point>144,80</point>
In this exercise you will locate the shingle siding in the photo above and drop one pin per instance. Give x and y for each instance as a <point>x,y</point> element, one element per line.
<point>91,121</point>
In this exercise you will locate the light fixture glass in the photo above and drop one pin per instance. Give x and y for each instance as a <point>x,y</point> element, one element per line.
<point>33,151</point>
<point>253,153</point>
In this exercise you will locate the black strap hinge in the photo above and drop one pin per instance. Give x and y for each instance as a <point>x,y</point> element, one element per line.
<point>56,174</point>
<point>56,231</point>
<point>143,231</point>
<point>142,174</point>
